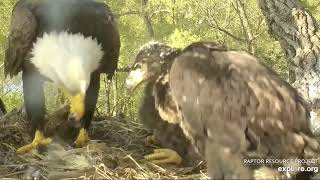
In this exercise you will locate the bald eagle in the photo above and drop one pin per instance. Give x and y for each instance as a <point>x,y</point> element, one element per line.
<point>233,107</point>
<point>66,42</point>
<point>156,99</point>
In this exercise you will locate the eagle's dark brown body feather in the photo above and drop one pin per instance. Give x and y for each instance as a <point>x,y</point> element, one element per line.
<point>158,111</point>
<point>230,106</point>
<point>167,135</point>
<point>33,18</point>
<point>235,105</point>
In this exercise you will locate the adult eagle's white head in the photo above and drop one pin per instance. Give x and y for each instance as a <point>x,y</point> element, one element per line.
<point>68,61</point>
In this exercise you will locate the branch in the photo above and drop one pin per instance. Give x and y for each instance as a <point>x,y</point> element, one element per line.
<point>214,24</point>
<point>259,25</point>
<point>124,69</point>
<point>146,18</point>
<point>158,11</point>
<point>128,13</point>
<point>238,5</point>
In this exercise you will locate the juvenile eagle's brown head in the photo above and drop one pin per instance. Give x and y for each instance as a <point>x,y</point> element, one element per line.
<point>152,60</point>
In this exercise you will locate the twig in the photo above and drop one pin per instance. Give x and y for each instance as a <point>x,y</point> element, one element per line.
<point>134,12</point>
<point>136,163</point>
<point>9,146</point>
<point>124,69</point>
<point>102,173</point>
<point>14,173</point>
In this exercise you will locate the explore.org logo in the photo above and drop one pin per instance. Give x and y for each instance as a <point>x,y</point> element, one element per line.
<point>286,165</point>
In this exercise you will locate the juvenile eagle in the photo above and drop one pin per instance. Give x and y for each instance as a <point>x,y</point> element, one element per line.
<point>151,67</point>
<point>233,107</point>
<point>67,42</point>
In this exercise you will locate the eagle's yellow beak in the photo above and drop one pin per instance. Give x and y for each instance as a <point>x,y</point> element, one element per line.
<point>77,107</point>
<point>77,104</point>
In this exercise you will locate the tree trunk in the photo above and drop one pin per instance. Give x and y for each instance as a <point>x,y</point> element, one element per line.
<point>299,36</point>
<point>2,108</point>
<point>147,19</point>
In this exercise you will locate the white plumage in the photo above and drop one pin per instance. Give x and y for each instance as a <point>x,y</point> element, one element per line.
<point>67,59</point>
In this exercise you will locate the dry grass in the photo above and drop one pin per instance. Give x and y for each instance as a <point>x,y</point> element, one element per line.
<point>115,152</point>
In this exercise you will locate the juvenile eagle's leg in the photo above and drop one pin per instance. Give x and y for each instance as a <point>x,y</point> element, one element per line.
<point>90,104</point>
<point>164,156</point>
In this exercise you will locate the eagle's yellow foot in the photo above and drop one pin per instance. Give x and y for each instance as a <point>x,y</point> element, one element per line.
<point>39,141</point>
<point>164,156</point>
<point>82,139</point>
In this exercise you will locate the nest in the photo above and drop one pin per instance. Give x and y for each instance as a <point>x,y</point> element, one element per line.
<point>115,152</point>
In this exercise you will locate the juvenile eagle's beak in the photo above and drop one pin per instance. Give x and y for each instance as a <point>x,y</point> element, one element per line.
<point>77,107</point>
<point>134,79</point>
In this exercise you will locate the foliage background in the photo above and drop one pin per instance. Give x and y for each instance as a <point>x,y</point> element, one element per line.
<point>176,22</point>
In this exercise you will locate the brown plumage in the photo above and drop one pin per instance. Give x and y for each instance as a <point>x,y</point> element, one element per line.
<point>158,110</point>
<point>167,135</point>
<point>232,107</point>
<point>237,107</point>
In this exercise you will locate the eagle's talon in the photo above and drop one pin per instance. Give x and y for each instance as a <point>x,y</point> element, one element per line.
<point>39,141</point>
<point>82,139</point>
<point>164,156</point>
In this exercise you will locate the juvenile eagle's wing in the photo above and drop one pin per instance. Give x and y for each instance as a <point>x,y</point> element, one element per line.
<point>22,33</point>
<point>225,96</point>
<point>163,101</point>
<point>233,105</point>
